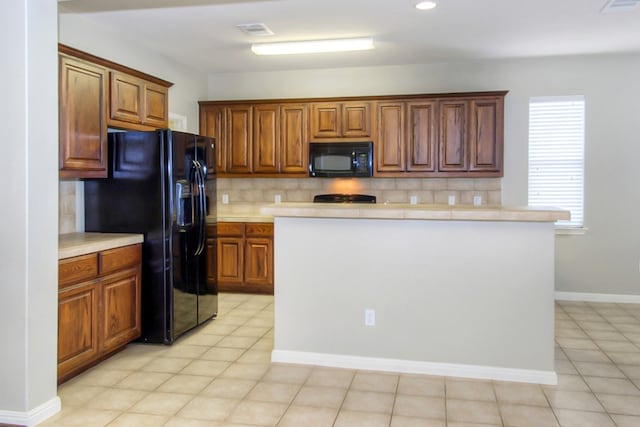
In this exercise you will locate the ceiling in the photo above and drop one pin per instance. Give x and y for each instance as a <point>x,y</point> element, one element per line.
<point>203,33</point>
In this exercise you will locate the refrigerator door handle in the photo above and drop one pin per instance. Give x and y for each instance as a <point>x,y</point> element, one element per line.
<point>202,208</point>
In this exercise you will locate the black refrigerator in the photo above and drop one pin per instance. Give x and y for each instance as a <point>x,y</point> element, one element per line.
<point>162,184</point>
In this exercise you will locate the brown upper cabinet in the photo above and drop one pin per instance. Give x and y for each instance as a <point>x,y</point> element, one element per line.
<point>94,94</point>
<point>340,120</point>
<point>432,135</point>
<point>266,139</point>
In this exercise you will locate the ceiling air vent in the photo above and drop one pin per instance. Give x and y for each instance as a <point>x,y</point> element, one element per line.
<point>620,6</point>
<point>255,29</point>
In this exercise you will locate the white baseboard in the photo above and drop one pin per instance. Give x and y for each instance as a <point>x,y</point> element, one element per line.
<point>587,297</point>
<point>415,367</point>
<point>32,417</point>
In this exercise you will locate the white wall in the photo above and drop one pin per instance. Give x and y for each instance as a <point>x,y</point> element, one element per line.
<point>28,243</point>
<point>606,259</point>
<point>190,84</point>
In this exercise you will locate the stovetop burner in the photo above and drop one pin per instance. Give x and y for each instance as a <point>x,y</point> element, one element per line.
<point>344,198</point>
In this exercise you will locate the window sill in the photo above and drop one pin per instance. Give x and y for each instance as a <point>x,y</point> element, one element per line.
<point>571,231</point>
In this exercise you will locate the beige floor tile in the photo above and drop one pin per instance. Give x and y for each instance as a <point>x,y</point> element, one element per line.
<point>461,424</point>
<point>632,371</point>
<point>188,422</point>
<point>371,381</point>
<point>565,367</point>
<point>186,384</point>
<point>237,342</point>
<point>215,328</point>
<point>208,408</point>
<point>368,401</point>
<point>274,392</point>
<point>116,399</point>
<point>520,394</point>
<point>421,385</point>
<point>575,343</point>
<point>626,420</point>
<point>606,335</point>
<point>102,377</point>
<point>78,394</point>
<point>84,417</point>
<point>126,362</point>
<point>624,357</point>
<point>469,390</point>
<point>608,370</point>
<point>232,320</point>
<point>223,354</point>
<point>594,356</point>
<point>569,418</point>
<point>622,405</point>
<point>232,388</point>
<point>203,340</point>
<point>247,371</point>
<point>139,420</point>
<point>148,381</point>
<point>579,400</point>
<point>170,365</point>
<point>322,397</point>
<point>251,331</point>
<point>298,416</point>
<point>259,413</point>
<point>186,351</point>
<point>571,333</point>
<point>527,416</point>
<point>156,403</point>
<point>612,386</point>
<point>569,382</point>
<point>208,368</point>
<point>608,346</point>
<point>331,377</point>
<point>263,344</point>
<point>471,411</point>
<point>420,406</point>
<point>402,421</point>
<point>288,374</point>
<point>361,419</point>
<point>255,356</point>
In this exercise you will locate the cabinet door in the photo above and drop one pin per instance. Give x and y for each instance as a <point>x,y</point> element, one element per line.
<point>390,147</point>
<point>453,135</point>
<point>239,134</point>
<point>294,149</point>
<point>156,105</point>
<point>485,134</point>
<point>120,308</point>
<point>326,120</point>
<point>266,138</point>
<point>212,123</point>
<point>126,94</point>
<point>258,267</point>
<point>421,136</point>
<point>356,119</point>
<point>82,119</point>
<point>230,261</point>
<point>77,327</point>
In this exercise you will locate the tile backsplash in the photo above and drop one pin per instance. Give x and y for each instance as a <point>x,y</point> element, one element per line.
<point>249,193</point>
<point>257,191</point>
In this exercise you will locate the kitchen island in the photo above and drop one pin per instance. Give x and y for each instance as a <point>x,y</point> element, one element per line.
<point>447,290</point>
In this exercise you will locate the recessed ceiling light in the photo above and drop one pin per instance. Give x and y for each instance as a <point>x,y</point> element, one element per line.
<point>426,5</point>
<point>313,46</point>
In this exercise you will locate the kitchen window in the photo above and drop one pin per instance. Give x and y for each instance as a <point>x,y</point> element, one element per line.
<point>556,156</point>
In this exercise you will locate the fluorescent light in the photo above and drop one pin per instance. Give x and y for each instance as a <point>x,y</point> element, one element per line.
<point>313,46</point>
<point>426,5</point>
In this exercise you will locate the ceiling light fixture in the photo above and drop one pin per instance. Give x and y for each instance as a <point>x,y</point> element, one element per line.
<point>426,5</point>
<point>313,46</point>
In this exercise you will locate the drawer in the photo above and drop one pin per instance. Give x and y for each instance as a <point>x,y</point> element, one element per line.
<point>211,231</point>
<point>76,269</point>
<point>119,258</point>
<point>262,229</point>
<point>231,229</point>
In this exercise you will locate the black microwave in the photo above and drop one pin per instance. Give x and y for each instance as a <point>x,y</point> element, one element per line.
<point>340,159</point>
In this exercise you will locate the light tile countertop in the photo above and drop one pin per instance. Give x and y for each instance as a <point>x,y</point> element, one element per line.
<point>76,244</point>
<point>419,212</point>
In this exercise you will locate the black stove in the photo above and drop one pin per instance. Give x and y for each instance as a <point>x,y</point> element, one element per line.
<point>344,198</point>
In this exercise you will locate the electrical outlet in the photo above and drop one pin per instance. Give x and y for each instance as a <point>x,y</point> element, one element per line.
<point>369,317</point>
<point>225,199</point>
<point>277,198</point>
<point>413,200</point>
<point>477,200</point>
<point>452,199</point>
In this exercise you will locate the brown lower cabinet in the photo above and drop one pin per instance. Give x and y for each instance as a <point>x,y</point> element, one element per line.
<point>244,257</point>
<point>98,307</point>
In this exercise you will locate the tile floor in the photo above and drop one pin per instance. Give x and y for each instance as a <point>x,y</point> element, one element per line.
<point>220,375</point>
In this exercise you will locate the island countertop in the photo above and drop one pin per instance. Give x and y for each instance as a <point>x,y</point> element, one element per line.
<point>415,212</point>
<point>75,244</point>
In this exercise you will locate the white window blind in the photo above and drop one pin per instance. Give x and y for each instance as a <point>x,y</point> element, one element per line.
<point>556,155</point>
